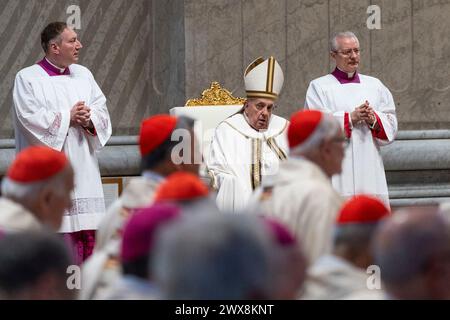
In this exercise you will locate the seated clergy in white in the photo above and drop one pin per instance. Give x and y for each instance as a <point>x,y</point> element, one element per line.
<point>343,273</point>
<point>248,146</point>
<point>36,190</point>
<point>301,195</point>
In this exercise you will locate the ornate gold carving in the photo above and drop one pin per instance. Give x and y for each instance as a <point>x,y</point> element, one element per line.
<point>215,96</point>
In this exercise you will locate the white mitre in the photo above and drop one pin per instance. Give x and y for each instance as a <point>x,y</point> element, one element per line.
<point>263,79</point>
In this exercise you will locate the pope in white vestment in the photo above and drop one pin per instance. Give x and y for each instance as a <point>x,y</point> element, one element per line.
<point>348,95</point>
<point>247,147</point>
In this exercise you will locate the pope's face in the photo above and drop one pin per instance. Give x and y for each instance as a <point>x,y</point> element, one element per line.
<point>347,55</point>
<point>258,112</point>
<point>69,47</point>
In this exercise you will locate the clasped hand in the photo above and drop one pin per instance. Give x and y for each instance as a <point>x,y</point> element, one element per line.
<point>81,115</point>
<point>363,113</point>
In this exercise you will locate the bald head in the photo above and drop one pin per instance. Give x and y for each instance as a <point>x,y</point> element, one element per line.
<point>410,248</point>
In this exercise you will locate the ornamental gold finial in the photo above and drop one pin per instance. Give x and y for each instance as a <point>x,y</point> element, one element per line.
<point>215,96</point>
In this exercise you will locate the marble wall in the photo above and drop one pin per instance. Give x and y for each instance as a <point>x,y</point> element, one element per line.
<point>135,49</point>
<point>410,53</point>
<point>151,55</point>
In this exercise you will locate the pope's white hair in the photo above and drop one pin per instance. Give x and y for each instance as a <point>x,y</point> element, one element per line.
<point>327,128</point>
<point>346,34</point>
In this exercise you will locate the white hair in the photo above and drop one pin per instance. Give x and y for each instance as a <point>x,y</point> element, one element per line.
<point>346,34</point>
<point>208,256</point>
<point>327,128</point>
<point>28,192</point>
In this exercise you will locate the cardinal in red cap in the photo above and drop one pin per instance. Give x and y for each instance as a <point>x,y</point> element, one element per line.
<point>181,186</point>
<point>157,143</point>
<point>342,274</point>
<point>188,191</point>
<point>362,209</point>
<point>302,196</point>
<point>155,131</point>
<point>36,190</point>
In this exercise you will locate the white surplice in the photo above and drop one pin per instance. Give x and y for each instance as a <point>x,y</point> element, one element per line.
<point>241,158</point>
<point>304,200</point>
<point>42,107</point>
<point>362,168</point>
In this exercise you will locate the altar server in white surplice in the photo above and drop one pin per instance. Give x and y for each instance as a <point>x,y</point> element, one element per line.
<point>248,146</point>
<point>58,103</point>
<point>366,109</point>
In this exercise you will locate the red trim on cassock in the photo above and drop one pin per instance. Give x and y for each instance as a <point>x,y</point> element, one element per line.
<point>347,129</point>
<point>380,133</point>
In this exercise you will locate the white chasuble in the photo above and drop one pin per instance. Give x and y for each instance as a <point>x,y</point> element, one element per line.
<point>42,107</point>
<point>242,158</point>
<point>362,168</point>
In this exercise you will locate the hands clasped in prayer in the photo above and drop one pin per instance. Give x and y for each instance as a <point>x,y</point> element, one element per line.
<point>81,115</point>
<point>364,113</point>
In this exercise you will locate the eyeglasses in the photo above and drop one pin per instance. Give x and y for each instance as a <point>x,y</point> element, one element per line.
<point>348,52</point>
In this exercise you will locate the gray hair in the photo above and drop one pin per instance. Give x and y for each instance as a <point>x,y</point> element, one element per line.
<point>28,192</point>
<point>403,251</point>
<point>26,258</point>
<point>214,257</point>
<point>354,236</point>
<point>346,34</point>
<point>327,128</point>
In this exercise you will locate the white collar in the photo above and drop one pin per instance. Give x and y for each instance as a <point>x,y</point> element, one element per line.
<point>60,70</point>
<point>238,122</point>
<point>349,74</point>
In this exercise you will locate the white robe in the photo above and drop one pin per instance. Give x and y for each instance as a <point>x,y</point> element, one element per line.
<point>101,270</point>
<point>42,107</point>
<point>15,218</point>
<point>241,158</point>
<point>362,168</point>
<point>333,278</point>
<point>305,201</point>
